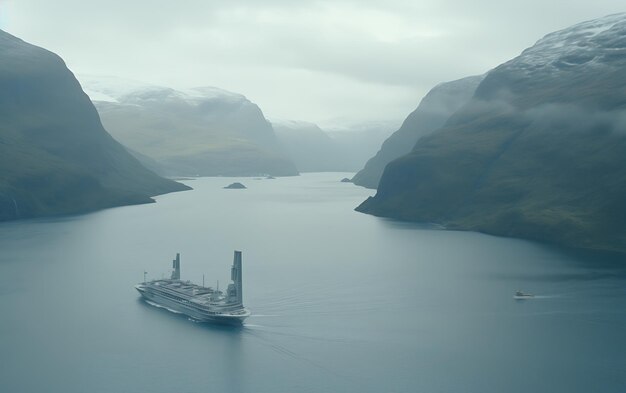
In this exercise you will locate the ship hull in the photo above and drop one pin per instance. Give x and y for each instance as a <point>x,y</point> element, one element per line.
<point>195,312</point>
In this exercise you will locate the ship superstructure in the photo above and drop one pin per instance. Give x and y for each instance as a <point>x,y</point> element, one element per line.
<point>203,304</point>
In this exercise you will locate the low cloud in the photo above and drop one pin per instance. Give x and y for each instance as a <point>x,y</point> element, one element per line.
<point>314,61</point>
<point>576,118</point>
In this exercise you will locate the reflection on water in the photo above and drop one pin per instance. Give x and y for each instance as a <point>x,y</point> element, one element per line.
<point>341,301</point>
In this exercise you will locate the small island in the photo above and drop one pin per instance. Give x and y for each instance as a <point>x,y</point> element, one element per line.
<point>235,185</point>
<point>346,180</point>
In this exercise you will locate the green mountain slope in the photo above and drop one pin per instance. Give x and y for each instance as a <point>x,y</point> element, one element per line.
<point>55,156</point>
<point>203,131</point>
<point>538,153</point>
<point>432,112</point>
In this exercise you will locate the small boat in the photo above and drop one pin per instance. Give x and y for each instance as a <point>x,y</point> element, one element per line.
<point>521,295</point>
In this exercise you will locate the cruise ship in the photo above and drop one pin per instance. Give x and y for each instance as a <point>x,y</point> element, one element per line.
<point>202,304</point>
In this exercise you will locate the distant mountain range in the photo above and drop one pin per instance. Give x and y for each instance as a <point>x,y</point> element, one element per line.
<point>314,149</point>
<point>203,131</point>
<point>538,152</point>
<point>55,156</point>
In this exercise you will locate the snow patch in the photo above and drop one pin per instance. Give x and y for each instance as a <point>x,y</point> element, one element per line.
<point>577,45</point>
<point>293,124</point>
<point>116,90</point>
<point>209,92</point>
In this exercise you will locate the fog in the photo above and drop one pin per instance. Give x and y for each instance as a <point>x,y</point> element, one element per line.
<point>576,118</point>
<point>328,62</point>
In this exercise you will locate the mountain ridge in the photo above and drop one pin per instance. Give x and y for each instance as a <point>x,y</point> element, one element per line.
<point>431,113</point>
<point>56,157</point>
<point>203,131</point>
<point>315,149</point>
<point>537,153</point>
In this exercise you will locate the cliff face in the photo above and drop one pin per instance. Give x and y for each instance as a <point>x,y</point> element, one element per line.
<point>433,111</point>
<point>537,153</point>
<point>203,131</point>
<point>55,156</point>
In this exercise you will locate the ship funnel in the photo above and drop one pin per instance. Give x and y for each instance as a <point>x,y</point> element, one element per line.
<point>235,275</point>
<point>176,268</point>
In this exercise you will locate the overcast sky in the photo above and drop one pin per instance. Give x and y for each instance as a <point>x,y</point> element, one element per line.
<point>321,61</point>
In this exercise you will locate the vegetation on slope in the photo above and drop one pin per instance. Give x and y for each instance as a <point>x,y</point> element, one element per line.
<point>55,156</point>
<point>200,132</point>
<point>538,153</point>
<point>433,111</point>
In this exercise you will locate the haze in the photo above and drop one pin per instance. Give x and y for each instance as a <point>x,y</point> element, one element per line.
<point>329,62</point>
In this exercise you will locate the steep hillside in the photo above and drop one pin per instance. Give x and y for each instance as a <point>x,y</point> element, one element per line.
<point>203,131</point>
<point>55,156</point>
<point>433,111</point>
<point>538,153</point>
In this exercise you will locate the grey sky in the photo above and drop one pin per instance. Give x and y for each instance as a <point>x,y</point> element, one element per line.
<point>320,61</point>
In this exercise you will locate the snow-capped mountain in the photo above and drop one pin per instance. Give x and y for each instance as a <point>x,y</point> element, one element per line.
<point>588,43</point>
<point>115,89</point>
<point>584,61</point>
<point>203,131</point>
<point>537,153</point>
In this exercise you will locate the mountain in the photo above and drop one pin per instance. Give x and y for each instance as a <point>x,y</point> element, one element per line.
<point>360,141</point>
<point>537,153</point>
<point>342,149</point>
<point>432,112</point>
<point>55,156</point>
<point>310,147</point>
<point>203,131</point>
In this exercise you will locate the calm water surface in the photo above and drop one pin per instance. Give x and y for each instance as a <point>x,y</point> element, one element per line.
<point>341,301</point>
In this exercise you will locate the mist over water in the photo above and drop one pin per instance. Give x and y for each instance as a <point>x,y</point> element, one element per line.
<point>341,301</point>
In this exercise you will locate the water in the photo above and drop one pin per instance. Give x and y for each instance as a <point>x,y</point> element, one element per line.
<point>342,301</point>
